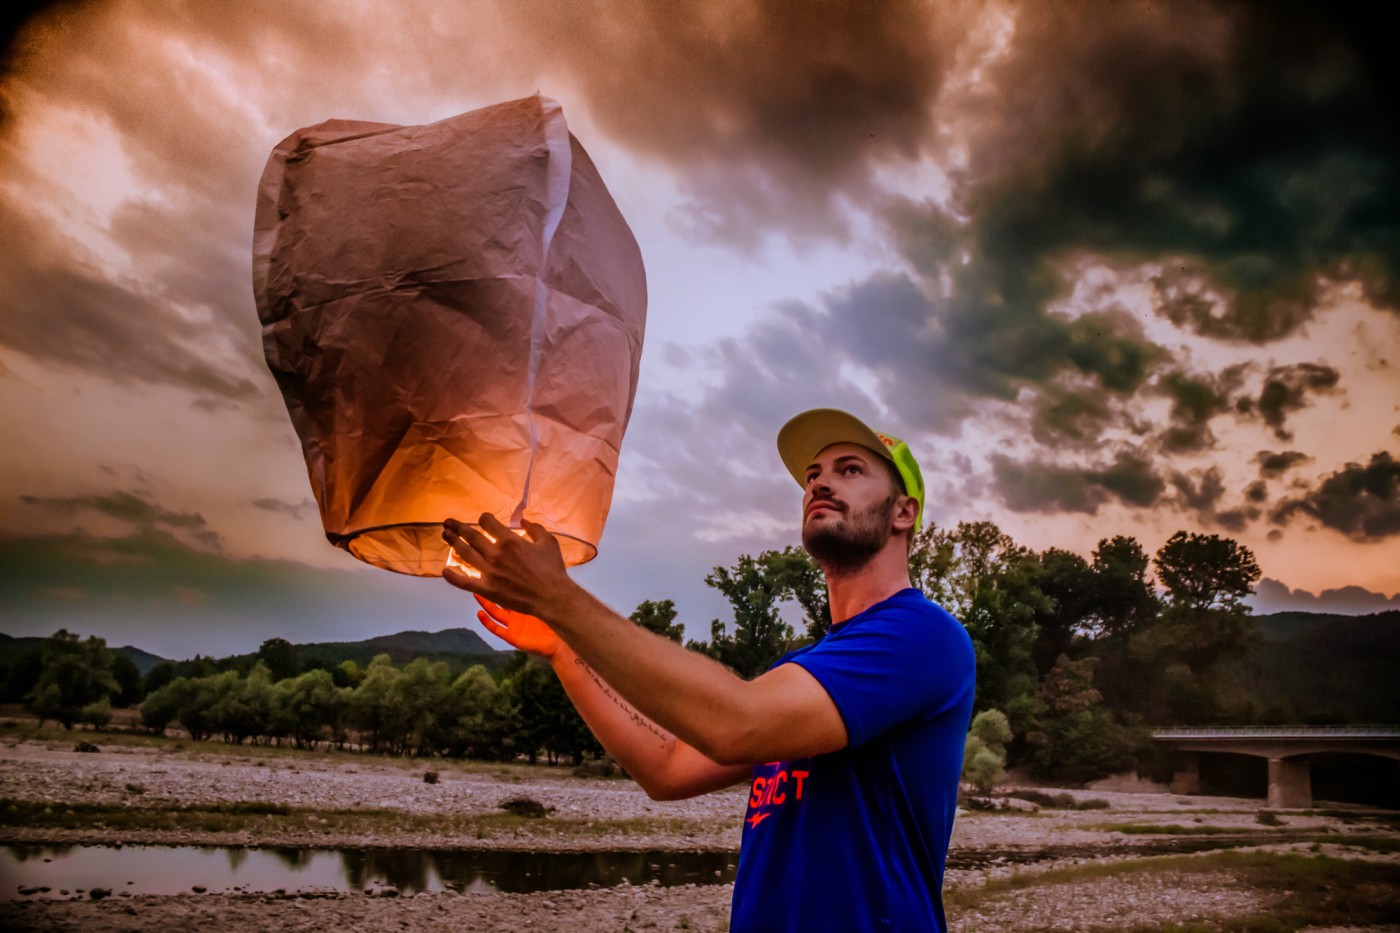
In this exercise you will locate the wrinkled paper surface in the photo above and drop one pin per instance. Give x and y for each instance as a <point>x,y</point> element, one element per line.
<point>454,314</point>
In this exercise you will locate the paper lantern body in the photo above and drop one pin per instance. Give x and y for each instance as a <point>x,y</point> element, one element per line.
<point>454,314</point>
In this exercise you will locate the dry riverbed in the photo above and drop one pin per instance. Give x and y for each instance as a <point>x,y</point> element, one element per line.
<point>1129,866</point>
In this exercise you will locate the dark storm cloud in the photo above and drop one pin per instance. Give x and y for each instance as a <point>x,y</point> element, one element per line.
<point>1044,486</point>
<point>1241,144</point>
<point>134,508</point>
<point>1273,465</point>
<point>1285,390</point>
<point>1362,502</point>
<point>1196,399</point>
<point>152,590</point>
<point>281,507</point>
<point>774,111</point>
<point>57,308</point>
<point>1201,491</point>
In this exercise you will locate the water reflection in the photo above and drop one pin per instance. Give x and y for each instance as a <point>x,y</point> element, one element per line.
<point>179,869</point>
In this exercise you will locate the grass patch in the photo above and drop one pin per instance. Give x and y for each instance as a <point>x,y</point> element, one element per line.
<point>1382,844</point>
<point>1172,829</point>
<point>270,818</point>
<point>1302,890</point>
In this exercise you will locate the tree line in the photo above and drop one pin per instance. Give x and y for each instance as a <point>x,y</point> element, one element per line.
<point>1076,660</point>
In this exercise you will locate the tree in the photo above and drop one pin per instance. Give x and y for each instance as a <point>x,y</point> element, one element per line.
<point>75,673</point>
<point>760,635</point>
<point>1075,738</point>
<point>483,720</point>
<point>794,575</point>
<point>1203,572</point>
<point>308,707</point>
<point>1206,621</point>
<point>130,686</point>
<point>984,753</point>
<point>659,617</point>
<point>1123,600</point>
<point>1067,581</point>
<point>992,585</point>
<point>158,676</point>
<point>280,658</point>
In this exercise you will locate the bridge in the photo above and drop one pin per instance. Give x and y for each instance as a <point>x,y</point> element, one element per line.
<point>1285,747</point>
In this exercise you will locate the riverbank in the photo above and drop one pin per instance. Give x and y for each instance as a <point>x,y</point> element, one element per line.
<point>1090,861</point>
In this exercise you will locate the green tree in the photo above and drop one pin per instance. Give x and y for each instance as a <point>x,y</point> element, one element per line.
<point>484,722</point>
<point>659,617</point>
<point>1067,582</point>
<point>1123,600</point>
<point>793,575</point>
<point>96,714</point>
<point>1206,572</point>
<point>309,707</point>
<point>75,673</point>
<point>158,676</point>
<point>372,709</point>
<point>984,753</point>
<point>279,656</point>
<point>760,635</point>
<point>242,706</point>
<point>1204,624</point>
<point>130,686</point>
<point>993,586</point>
<point>1075,738</point>
<point>547,719</point>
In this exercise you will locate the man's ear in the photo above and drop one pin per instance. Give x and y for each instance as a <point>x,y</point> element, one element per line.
<point>906,513</point>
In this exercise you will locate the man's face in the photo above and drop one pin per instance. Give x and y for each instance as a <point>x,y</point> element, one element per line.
<point>848,506</point>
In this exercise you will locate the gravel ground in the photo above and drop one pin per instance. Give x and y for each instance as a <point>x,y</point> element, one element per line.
<point>1002,841</point>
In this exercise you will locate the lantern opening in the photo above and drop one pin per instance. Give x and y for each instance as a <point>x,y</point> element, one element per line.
<point>417,548</point>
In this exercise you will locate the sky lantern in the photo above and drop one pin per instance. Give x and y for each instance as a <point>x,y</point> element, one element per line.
<point>454,313</point>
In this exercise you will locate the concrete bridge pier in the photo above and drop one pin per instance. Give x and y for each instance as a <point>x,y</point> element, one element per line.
<point>1187,779</point>
<point>1290,783</point>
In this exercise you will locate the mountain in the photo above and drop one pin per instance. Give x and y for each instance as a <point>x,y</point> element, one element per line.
<point>12,648</point>
<point>1319,667</point>
<point>459,647</point>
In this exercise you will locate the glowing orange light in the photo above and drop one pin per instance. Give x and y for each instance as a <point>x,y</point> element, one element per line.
<point>454,561</point>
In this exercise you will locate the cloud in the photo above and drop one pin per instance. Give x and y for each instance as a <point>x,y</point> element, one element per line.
<point>1275,596</point>
<point>1362,502</point>
<point>132,509</point>
<point>1273,465</point>
<point>773,112</point>
<point>1241,146</point>
<point>281,507</point>
<point>1039,486</point>
<point>153,590</point>
<point>1285,390</point>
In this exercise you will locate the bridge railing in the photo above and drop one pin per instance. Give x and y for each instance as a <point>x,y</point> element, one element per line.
<point>1278,732</point>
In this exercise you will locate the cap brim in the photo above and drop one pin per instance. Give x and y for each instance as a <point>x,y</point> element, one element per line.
<point>808,434</point>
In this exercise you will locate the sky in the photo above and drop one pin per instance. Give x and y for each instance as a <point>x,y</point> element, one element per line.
<point>1125,268</point>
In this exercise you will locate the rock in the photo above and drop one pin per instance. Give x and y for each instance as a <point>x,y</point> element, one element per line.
<point>86,747</point>
<point>430,777</point>
<point>198,888</point>
<point>98,894</point>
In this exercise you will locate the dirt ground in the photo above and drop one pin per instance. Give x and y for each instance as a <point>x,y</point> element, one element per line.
<point>1032,857</point>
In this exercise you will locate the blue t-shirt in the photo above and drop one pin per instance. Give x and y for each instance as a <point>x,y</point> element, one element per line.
<point>856,839</point>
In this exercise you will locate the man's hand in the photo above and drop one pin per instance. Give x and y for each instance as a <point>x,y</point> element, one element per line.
<point>523,632</point>
<point>524,574</point>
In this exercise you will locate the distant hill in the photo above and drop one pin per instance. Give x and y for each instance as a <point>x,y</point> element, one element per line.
<point>1325,668</point>
<point>459,647</point>
<point>12,648</point>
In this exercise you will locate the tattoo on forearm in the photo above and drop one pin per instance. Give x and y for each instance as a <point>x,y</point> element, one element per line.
<point>621,704</point>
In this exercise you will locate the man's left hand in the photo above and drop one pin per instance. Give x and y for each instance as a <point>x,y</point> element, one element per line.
<point>522,573</point>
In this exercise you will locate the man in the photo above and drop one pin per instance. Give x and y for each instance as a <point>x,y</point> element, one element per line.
<point>853,746</point>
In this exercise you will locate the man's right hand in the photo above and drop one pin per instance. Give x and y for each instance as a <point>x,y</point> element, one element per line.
<point>523,632</point>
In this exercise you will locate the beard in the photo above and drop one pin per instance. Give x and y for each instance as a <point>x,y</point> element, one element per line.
<point>849,544</point>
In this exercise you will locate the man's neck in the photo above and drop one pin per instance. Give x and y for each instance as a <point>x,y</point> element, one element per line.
<point>850,593</point>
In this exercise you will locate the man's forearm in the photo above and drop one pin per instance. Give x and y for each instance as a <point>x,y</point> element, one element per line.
<point>690,696</point>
